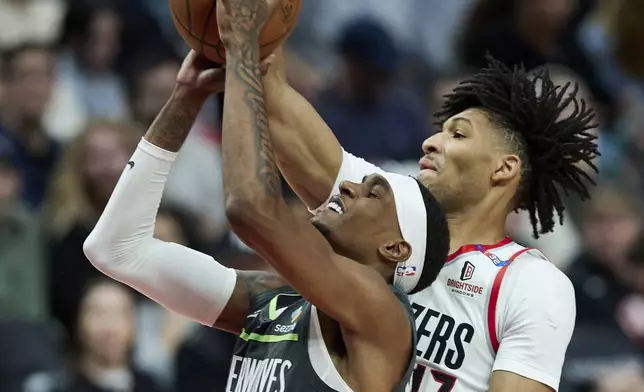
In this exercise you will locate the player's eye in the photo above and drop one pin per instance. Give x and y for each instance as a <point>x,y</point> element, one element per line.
<point>458,135</point>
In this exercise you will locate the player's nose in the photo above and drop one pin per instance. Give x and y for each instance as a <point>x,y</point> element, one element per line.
<point>348,188</point>
<point>432,144</point>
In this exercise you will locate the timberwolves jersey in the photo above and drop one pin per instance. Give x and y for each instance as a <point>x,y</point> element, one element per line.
<point>281,349</point>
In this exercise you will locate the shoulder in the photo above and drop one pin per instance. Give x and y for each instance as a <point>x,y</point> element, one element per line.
<point>534,287</point>
<point>143,381</point>
<point>534,270</point>
<point>536,319</point>
<point>402,297</point>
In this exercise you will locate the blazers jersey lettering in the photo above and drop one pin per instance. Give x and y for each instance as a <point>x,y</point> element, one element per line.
<point>281,349</point>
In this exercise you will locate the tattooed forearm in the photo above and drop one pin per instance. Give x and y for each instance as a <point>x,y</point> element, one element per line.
<point>267,170</point>
<point>250,167</point>
<point>172,125</point>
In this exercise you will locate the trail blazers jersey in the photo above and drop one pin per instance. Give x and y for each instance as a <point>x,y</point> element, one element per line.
<point>492,307</point>
<point>281,348</point>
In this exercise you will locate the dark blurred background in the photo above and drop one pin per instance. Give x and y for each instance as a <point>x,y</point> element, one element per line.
<point>82,79</point>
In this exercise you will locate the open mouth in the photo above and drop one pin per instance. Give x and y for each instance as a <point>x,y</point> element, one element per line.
<point>335,205</point>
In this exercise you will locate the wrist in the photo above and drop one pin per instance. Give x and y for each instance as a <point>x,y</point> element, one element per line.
<point>190,97</point>
<point>243,48</point>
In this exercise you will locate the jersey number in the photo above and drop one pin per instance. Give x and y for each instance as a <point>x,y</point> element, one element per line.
<point>446,382</point>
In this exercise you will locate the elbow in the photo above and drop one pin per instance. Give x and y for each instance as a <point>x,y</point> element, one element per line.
<point>97,251</point>
<point>105,255</point>
<point>251,215</point>
<point>239,212</point>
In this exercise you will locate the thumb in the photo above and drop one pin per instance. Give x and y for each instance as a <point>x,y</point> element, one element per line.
<point>266,64</point>
<point>211,78</point>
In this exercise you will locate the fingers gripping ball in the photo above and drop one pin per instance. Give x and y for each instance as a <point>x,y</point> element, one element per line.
<point>196,22</point>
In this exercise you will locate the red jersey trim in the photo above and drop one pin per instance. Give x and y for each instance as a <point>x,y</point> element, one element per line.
<point>494,298</point>
<point>478,248</point>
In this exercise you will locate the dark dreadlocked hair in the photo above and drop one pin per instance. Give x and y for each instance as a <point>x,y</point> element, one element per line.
<point>549,147</point>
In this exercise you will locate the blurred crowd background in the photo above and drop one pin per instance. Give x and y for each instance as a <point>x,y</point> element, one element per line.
<point>82,79</point>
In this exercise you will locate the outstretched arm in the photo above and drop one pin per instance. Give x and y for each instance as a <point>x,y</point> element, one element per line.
<point>308,153</point>
<point>353,295</point>
<point>181,279</point>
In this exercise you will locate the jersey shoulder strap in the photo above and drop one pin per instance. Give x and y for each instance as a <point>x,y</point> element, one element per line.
<point>404,301</point>
<point>263,299</point>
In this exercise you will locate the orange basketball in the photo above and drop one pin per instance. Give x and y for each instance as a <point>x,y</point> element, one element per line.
<point>196,22</point>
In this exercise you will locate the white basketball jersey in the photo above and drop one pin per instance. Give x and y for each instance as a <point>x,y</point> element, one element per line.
<point>459,326</point>
<point>456,319</point>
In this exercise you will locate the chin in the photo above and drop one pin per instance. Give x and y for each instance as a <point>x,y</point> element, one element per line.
<point>427,177</point>
<point>318,223</point>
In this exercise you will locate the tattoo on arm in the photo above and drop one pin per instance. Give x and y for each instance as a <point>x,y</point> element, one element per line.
<point>248,107</point>
<point>258,282</point>
<point>172,125</point>
<point>249,285</point>
<point>267,170</point>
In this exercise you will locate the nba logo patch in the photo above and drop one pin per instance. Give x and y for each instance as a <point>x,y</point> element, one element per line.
<point>406,270</point>
<point>495,259</point>
<point>468,271</point>
<point>296,314</point>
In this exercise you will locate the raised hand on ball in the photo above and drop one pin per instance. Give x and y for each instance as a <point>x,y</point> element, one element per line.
<point>201,74</point>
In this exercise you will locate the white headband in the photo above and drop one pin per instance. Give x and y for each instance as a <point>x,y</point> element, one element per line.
<point>412,219</point>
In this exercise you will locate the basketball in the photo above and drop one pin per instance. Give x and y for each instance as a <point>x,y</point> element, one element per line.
<point>196,22</point>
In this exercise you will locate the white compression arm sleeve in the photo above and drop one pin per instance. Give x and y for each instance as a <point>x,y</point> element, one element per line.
<point>121,245</point>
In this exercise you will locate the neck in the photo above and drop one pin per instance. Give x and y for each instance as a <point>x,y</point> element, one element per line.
<point>20,124</point>
<point>481,224</point>
<point>93,367</point>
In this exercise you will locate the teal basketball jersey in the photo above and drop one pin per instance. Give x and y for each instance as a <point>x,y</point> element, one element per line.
<point>281,348</point>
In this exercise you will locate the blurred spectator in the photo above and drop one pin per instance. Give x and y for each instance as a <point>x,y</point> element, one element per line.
<point>83,182</point>
<point>369,112</point>
<point>103,341</point>
<point>161,331</point>
<point>91,45</point>
<point>636,264</point>
<point>163,18</point>
<point>29,75</point>
<point>153,79</point>
<point>203,360</point>
<point>29,21</point>
<point>441,85</point>
<point>612,221</point>
<point>529,32</point>
<point>631,310</point>
<point>22,266</point>
<point>141,30</point>
<point>596,352</point>
<point>31,356</point>
<point>628,162</point>
<point>621,380</point>
<point>424,27</point>
<point>609,36</point>
<point>2,83</point>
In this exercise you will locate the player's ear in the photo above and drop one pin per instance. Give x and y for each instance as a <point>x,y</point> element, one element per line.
<point>395,251</point>
<point>506,168</point>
